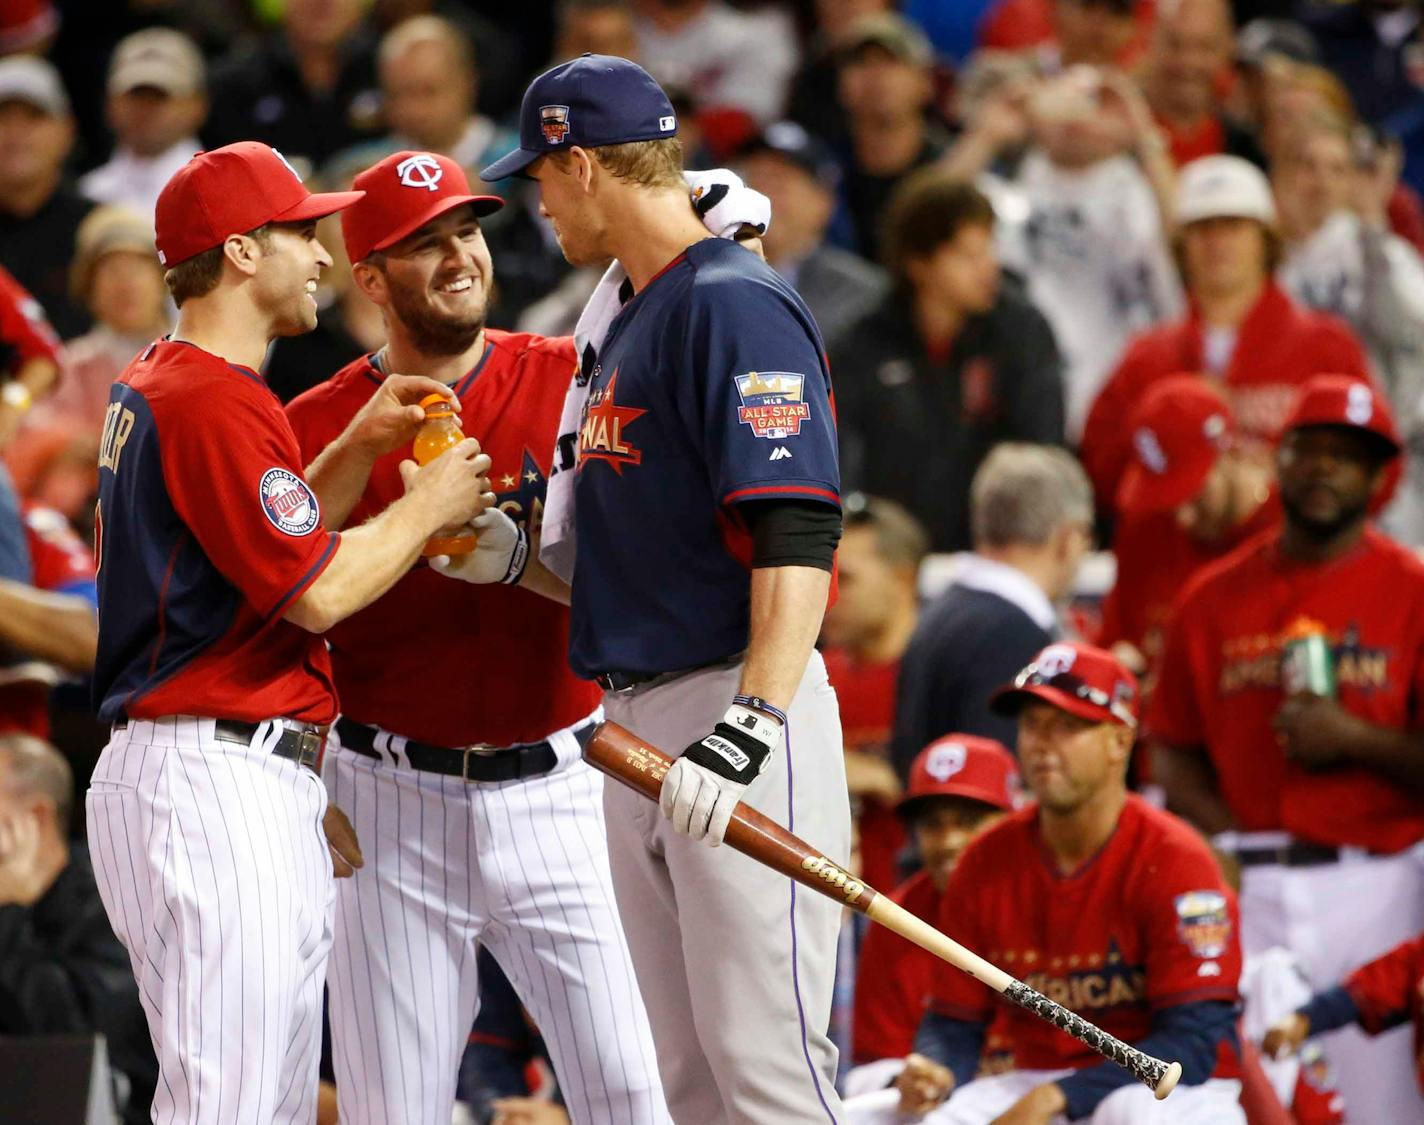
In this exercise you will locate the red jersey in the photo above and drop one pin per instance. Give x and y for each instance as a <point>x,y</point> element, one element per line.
<point>892,980</point>
<point>1387,992</point>
<point>1147,923</point>
<point>1279,347</point>
<point>1219,686</point>
<point>514,642</point>
<point>25,334</point>
<point>60,562</point>
<point>206,534</point>
<point>866,693</point>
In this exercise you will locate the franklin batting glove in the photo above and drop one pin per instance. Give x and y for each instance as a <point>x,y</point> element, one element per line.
<point>704,785</point>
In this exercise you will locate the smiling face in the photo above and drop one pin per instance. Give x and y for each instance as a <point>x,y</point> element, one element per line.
<point>284,283</point>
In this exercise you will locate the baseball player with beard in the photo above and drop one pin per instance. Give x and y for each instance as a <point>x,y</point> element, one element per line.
<point>480,822</point>
<point>706,503</point>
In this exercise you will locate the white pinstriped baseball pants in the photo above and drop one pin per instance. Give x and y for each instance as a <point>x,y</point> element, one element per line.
<point>520,867</point>
<point>214,871</point>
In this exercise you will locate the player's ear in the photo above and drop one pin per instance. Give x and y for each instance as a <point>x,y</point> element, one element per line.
<point>371,280</point>
<point>242,253</point>
<point>584,167</point>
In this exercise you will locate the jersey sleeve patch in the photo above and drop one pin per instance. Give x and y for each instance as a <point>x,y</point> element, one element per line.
<point>1203,922</point>
<point>289,503</point>
<point>773,404</point>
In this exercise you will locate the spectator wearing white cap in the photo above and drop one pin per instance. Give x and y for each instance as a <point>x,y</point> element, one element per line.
<point>39,210</point>
<point>1241,329</point>
<point>157,102</point>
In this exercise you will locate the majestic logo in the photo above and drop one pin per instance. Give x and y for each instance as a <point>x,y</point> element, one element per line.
<point>554,123</point>
<point>946,761</point>
<point>604,422</point>
<point>1203,922</point>
<point>290,505</point>
<point>772,404</point>
<point>420,171</point>
<point>780,453</point>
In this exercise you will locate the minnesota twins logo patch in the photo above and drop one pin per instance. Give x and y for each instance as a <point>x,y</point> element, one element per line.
<point>772,404</point>
<point>1203,922</point>
<point>420,171</point>
<point>554,123</point>
<point>289,503</point>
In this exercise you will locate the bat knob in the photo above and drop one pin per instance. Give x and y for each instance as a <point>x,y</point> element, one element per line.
<point>1168,1082</point>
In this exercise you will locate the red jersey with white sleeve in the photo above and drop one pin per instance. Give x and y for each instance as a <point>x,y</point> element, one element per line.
<point>25,334</point>
<point>893,979</point>
<point>511,643</point>
<point>1147,923</point>
<point>206,534</point>
<point>1219,684</point>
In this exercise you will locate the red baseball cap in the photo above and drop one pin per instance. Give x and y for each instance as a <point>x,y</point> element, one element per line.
<point>403,192</point>
<point>232,190</point>
<point>963,765</point>
<point>1178,430</point>
<point>1082,679</point>
<point>1345,400</point>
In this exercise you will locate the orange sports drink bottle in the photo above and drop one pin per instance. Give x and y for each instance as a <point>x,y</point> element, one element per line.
<point>441,432</point>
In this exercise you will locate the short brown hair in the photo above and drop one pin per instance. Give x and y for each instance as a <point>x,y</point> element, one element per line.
<point>199,275</point>
<point>900,539</point>
<point>656,163</point>
<point>927,210</point>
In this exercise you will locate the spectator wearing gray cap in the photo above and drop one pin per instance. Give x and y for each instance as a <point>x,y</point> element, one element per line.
<point>39,210</point>
<point>157,102</point>
<point>799,175</point>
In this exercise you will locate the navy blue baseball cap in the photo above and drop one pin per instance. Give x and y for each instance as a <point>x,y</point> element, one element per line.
<point>593,100</point>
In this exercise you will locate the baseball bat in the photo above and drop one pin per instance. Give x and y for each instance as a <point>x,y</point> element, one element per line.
<point>623,756</point>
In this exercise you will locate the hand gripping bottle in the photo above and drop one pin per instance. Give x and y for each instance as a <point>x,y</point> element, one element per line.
<point>441,432</point>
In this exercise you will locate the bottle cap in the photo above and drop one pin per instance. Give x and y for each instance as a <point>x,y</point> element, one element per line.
<point>436,406</point>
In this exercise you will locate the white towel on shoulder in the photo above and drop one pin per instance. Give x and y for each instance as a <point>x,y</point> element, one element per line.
<point>725,205</point>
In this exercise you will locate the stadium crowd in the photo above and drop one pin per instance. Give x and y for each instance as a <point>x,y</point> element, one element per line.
<point>1124,306</point>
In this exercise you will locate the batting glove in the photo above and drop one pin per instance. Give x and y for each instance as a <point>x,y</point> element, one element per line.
<point>500,553</point>
<point>704,785</point>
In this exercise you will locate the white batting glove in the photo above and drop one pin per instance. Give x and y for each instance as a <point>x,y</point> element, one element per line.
<point>703,786</point>
<point>500,553</point>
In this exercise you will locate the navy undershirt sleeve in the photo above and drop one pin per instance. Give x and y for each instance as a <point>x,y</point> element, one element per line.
<point>1330,1010</point>
<point>954,1043</point>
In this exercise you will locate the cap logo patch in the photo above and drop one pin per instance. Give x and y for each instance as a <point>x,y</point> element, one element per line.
<point>421,171</point>
<point>1055,660</point>
<point>946,761</point>
<point>1359,405</point>
<point>667,124</point>
<point>554,123</point>
<point>1214,427</point>
<point>1203,922</point>
<point>287,164</point>
<point>290,505</point>
<point>1149,450</point>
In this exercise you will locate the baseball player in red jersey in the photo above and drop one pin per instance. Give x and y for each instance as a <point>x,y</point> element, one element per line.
<point>30,354</point>
<point>959,786</point>
<point>216,576</point>
<point>481,823</point>
<point>1187,497</point>
<point>1317,792</point>
<point>49,623</point>
<point>1113,908</point>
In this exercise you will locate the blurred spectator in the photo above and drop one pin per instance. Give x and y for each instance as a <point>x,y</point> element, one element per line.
<point>62,971</point>
<point>27,25</point>
<point>430,82</point>
<point>1033,518</point>
<point>885,87</point>
<point>1188,496</point>
<point>1190,55</point>
<point>1114,907</point>
<point>596,27</point>
<point>1070,32</point>
<point>1261,47</point>
<point>1091,247</point>
<point>307,88</point>
<point>950,363</point>
<point>799,175</point>
<point>30,356</point>
<point>725,58</point>
<point>157,102</point>
<point>1286,721</point>
<point>39,210</point>
<point>813,102</point>
<point>959,786</point>
<point>48,624</point>
<point>1242,329</point>
<point>862,639</point>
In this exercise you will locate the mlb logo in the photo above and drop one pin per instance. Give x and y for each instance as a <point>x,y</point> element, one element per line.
<point>554,123</point>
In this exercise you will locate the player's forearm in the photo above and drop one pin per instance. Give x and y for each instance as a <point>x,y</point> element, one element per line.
<point>788,603</point>
<point>59,628</point>
<point>338,476</point>
<point>956,1044</point>
<point>1395,754</point>
<point>539,579</point>
<point>1187,777</point>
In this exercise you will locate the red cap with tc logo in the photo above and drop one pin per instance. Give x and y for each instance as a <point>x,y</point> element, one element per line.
<point>963,765</point>
<point>1082,679</point>
<point>403,193</point>
<point>232,190</point>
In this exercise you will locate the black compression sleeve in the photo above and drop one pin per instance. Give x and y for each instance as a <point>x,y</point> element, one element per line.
<point>792,532</point>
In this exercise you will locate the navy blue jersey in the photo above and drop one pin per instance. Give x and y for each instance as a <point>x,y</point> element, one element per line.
<point>711,390</point>
<point>206,534</point>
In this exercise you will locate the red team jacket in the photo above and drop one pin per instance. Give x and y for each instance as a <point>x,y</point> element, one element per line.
<point>495,659</point>
<point>25,334</point>
<point>1218,686</point>
<point>1387,992</point>
<point>1280,346</point>
<point>893,979</point>
<point>1147,923</point>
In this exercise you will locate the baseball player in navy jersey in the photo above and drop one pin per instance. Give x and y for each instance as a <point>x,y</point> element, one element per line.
<point>707,513</point>
<point>205,815</point>
<point>481,822</point>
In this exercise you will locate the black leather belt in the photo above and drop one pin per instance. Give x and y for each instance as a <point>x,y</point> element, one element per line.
<point>300,742</point>
<point>472,763</point>
<point>627,681</point>
<point>1297,853</point>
